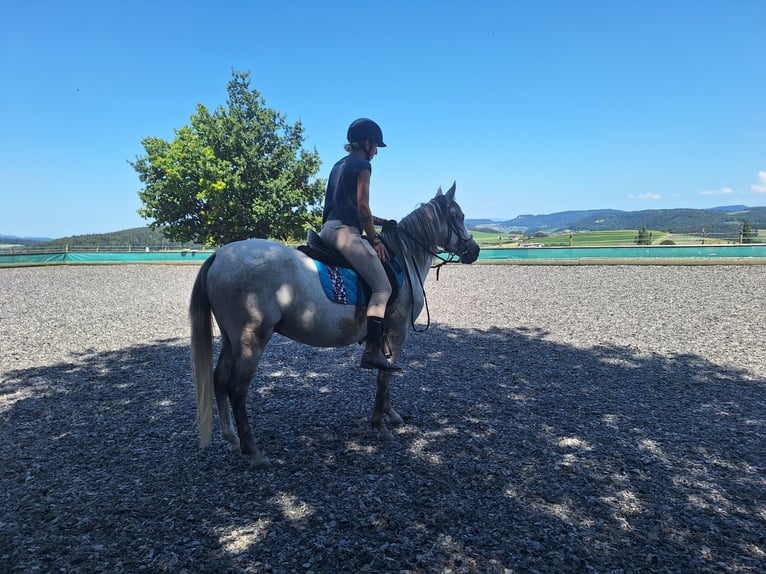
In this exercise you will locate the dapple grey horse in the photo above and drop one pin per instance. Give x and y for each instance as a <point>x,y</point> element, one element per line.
<point>256,288</point>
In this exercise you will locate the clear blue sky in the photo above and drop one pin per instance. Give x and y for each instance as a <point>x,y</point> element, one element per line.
<point>533,107</point>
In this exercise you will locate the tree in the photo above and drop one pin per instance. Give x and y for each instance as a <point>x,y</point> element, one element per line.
<point>235,173</point>
<point>748,234</point>
<point>644,236</point>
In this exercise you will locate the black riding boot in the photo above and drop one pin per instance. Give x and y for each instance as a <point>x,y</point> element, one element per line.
<point>373,357</point>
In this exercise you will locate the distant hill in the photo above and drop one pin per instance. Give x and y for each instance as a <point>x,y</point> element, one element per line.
<point>553,221</point>
<point>730,208</point>
<point>717,220</point>
<point>135,237</point>
<point>724,220</point>
<point>15,240</point>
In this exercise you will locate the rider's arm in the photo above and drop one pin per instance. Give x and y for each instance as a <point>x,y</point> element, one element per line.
<point>365,213</point>
<point>363,203</point>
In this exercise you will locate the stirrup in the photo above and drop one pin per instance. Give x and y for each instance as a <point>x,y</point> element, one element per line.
<point>378,362</point>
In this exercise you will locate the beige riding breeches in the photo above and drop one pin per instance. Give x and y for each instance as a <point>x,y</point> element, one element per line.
<point>349,241</point>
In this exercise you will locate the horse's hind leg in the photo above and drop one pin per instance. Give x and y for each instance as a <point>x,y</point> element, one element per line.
<point>238,395</point>
<point>242,372</point>
<point>221,380</point>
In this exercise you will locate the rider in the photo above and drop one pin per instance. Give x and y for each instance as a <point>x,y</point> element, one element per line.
<point>346,214</point>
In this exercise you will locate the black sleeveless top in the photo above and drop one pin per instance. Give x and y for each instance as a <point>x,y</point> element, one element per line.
<point>340,199</point>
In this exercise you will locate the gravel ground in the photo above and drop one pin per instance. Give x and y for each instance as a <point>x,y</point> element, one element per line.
<point>557,419</point>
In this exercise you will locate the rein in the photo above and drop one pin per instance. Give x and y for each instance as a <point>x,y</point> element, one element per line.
<point>400,248</point>
<point>444,260</point>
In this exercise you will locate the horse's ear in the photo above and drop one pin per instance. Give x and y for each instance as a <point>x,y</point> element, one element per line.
<point>451,192</point>
<point>439,191</point>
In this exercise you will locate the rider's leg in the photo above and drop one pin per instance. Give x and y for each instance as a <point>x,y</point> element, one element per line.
<point>373,356</point>
<point>348,240</point>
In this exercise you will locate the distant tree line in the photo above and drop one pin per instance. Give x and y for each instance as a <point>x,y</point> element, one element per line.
<point>720,224</point>
<point>139,237</point>
<point>716,222</point>
<point>4,239</point>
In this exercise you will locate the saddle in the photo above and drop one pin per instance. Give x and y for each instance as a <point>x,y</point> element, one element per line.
<point>341,283</point>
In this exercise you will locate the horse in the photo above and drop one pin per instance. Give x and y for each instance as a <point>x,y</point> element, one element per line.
<point>256,287</point>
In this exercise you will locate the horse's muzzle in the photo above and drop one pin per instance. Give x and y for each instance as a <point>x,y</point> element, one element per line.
<point>470,253</point>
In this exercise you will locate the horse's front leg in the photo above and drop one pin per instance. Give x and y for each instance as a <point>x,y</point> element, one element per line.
<point>379,409</point>
<point>393,416</point>
<point>382,407</point>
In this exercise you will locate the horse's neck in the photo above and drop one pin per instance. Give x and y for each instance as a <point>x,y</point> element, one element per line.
<point>418,261</point>
<point>419,240</point>
<point>422,265</point>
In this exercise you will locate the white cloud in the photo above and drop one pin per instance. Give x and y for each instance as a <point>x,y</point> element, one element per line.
<point>761,186</point>
<point>644,196</point>
<point>722,191</point>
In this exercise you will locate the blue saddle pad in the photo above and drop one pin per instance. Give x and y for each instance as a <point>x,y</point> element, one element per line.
<point>343,285</point>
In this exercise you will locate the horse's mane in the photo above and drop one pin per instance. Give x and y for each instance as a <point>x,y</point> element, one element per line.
<point>422,226</point>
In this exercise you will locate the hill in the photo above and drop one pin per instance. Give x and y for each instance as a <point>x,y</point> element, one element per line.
<point>15,240</point>
<point>724,221</point>
<point>534,223</point>
<point>718,220</point>
<point>127,238</point>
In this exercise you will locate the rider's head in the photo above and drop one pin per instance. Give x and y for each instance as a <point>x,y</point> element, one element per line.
<point>364,135</point>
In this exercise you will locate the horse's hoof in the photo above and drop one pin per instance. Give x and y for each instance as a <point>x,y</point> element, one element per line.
<point>232,439</point>
<point>394,418</point>
<point>385,435</point>
<point>234,449</point>
<point>260,462</point>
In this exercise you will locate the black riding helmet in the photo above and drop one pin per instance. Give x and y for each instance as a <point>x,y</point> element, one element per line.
<point>363,129</point>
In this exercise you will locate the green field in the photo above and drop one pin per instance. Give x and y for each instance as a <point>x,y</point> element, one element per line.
<point>622,237</point>
<point>593,239</point>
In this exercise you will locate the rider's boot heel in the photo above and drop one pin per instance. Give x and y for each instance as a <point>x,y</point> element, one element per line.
<point>373,357</point>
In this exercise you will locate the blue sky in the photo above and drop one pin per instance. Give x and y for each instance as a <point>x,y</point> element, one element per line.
<point>532,107</point>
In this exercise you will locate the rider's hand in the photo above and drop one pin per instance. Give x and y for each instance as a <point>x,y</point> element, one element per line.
<point>382,252</point>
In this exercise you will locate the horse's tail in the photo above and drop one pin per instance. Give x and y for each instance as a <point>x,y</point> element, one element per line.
<point>202,352</point>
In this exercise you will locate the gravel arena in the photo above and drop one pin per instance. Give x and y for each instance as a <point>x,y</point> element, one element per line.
<point>606,419</point>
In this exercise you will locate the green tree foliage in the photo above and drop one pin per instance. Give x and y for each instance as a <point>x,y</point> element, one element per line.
<point>644,236</point>
<point>749,235</point>
<point>231,174</point>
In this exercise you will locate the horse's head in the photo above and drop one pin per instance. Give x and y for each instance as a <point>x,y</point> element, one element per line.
<point>453,236</point>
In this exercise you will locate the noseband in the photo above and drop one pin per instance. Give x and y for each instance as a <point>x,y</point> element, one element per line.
<point>462,243</point>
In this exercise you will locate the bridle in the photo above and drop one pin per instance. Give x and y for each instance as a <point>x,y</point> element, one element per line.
<point>451,257</point>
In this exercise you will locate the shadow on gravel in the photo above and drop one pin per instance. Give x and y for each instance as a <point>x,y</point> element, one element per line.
<point>517,453</point>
